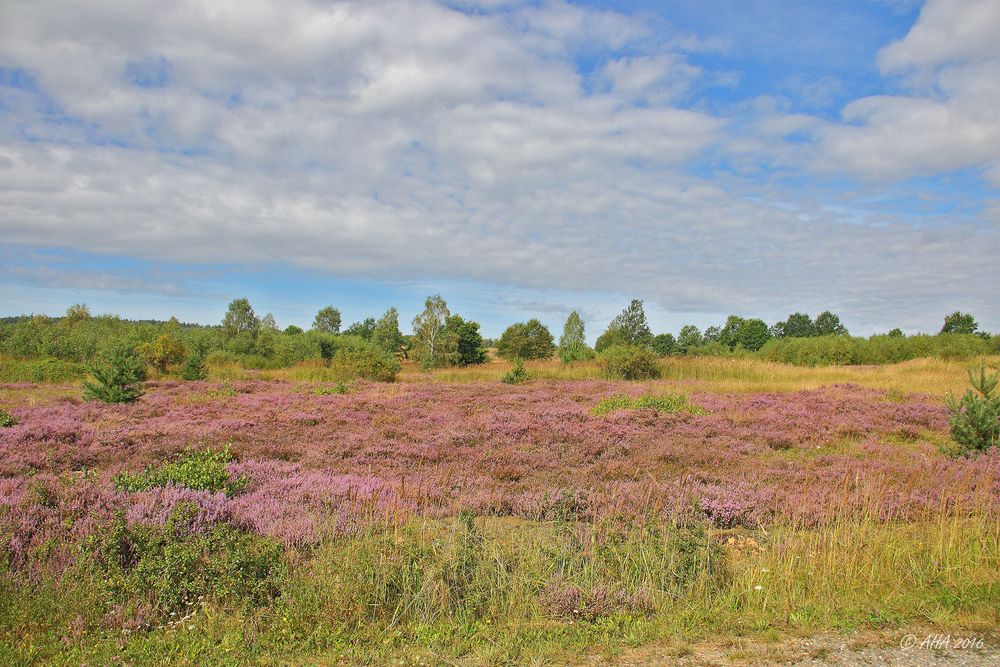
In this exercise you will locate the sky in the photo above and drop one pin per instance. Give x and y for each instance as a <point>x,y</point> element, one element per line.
<point>523,159</point>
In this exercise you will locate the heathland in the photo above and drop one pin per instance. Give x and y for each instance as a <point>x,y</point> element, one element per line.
<point>172,494</point>
<point>450,517</point>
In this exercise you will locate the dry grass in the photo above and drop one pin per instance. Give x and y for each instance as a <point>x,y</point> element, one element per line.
<point>735,375</point>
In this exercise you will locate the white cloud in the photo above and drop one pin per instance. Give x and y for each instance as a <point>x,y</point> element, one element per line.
<point>949,120</point>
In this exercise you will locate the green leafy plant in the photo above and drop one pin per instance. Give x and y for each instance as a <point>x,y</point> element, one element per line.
<point>194,367</point>
<point>199,470</point>
<point>327,390</point>
<point>975,417</point>
<point>7,419</point>
<point>159,572</point>
<point>118,379</point>
<point>517,374</point>
<point>629,362</point>
<point>669,403</point>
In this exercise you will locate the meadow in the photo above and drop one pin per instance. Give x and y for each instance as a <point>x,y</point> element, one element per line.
<point>286,516</point>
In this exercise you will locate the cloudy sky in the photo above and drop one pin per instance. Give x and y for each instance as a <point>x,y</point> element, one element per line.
<point>521,158</point>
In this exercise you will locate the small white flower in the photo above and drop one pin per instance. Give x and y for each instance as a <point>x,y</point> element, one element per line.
<point>758,587</point>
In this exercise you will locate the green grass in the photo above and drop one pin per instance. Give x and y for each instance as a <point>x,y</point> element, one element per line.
<point>668,403</point>
<point>502,591</point>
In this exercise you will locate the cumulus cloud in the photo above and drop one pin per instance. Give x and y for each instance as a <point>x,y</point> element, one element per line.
<point>949,116</point>
<point>399,140</point>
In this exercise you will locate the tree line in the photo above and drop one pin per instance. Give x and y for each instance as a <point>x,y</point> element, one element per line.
<point>440,338</point>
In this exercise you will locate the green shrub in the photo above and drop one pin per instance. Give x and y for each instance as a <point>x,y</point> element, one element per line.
<point>194,367</point>
<point>203,470</point>
<point>6,419</point>
<point>576,351</point>
<point>159,572</point>
<point>517,374</point>
<point>975,417</point>
<point>40,370</point>
<point>670,403</point>
<point>629,362</point>
<point>366,362</point>
<point>337,388</point>
<point>118,379</point>
<point>526,340</point>
<point>877,350</point>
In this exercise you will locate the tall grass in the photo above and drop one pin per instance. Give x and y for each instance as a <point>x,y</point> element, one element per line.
<point>501,591</point>
<point>734,375</point>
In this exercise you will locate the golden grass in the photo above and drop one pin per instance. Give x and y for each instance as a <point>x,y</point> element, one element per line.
<point>732,375</point>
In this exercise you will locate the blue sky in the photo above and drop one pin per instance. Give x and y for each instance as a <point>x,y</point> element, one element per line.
<point>523,159</point>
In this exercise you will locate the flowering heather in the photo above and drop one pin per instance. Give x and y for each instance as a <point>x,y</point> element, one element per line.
<point>317,464</point>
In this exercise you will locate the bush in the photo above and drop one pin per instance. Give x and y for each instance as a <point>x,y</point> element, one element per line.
<point>367,362</point>
<point>162,352</point>
<point>975,418</point>
<point>517,374</point>
<point>576,352</point>
<point>159,572</point>
<point>194,367</point>
<point>629,362</point>
<point>526,340</point>
<point>6,419</point>
<point>40,370</point>
<point>118,379</point>
<point>884,349</point>
<point>196,470</point>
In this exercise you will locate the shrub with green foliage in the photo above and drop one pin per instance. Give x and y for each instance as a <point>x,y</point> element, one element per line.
<point>526,340</point>
<point>166,349</point>
<point>118,379</point>
<point>198,470</point>
<point>629,362</point>
<point>194,367</point>
<point>156,573</point>
<point>517,374</point>
<point>669,403</point>
<point>884,349</point>
<point>975,417</point>
<point>6,419</point>
<point>40,370</point>
<point>365,362</point>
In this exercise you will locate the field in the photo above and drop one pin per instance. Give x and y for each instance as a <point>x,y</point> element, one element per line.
<point>278,517</point>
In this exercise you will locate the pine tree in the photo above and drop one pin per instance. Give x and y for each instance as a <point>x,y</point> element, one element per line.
<point>118,379</point>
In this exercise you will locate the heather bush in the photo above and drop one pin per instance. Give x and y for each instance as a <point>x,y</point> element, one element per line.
<point>118,379</point>
<point>670,403</point>
<point>517,374</point>
<point>203,470</point>
<point>975,417</point>
<point>629,362</point>
<point>157,573</point>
